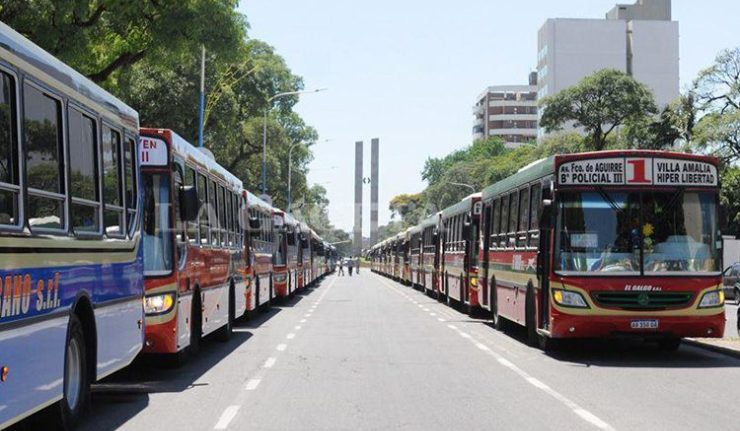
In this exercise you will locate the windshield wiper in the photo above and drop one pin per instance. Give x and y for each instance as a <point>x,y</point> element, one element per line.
<point>609,200</point>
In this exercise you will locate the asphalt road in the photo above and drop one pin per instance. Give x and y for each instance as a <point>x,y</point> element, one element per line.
<point>365,353</point>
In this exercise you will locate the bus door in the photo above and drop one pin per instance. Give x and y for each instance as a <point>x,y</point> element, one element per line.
<point>546,227</point>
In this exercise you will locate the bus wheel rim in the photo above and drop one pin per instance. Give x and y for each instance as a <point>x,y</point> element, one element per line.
<point>74,374</point>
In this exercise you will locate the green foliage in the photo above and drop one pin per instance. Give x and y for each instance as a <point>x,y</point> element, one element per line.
<point>599,103</point>
<point>718,97</point>
<point>147,53</point>
<point>730,200</point>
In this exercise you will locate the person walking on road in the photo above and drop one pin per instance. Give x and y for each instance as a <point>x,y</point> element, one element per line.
<point>350,264</point>
<point>341,267</point>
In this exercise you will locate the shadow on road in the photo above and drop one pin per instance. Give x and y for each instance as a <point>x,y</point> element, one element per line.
<point>121,396</point>
<point>623,352</point>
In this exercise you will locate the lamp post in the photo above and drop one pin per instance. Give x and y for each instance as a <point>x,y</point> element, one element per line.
<point>264,130</point>
<point>290,169</point>
<point>472,189</point>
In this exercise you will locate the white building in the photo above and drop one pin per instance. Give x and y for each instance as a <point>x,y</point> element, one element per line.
<point>508,112</point>
<point>639,39</point>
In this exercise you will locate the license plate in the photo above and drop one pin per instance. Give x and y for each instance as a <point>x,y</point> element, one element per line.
<point>644,324</point>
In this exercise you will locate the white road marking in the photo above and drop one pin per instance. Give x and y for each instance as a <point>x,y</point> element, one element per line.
<point>290,336</point>
<point>425,309</point>
<point>432,314</point>
<point>441,319</point>
<point>252,384</point>
<point>269,362</point>
<point>303,321</point>
<point>453,327</point>
<point>282,347</point>
<point>464,334</point>
<point>226,417</point>
<point>298,327</point>
<point>307,315</point>
<point>482,347</point>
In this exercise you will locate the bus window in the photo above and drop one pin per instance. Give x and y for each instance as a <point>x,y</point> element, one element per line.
<point>213,212</point>
<point>504,220</point>
<point>157,225</point>
<point>9,181</point>
<point>222,227</point>
<point>113,205</point>
<point>521,239</point>
<point>229,220</point>
<point>179,225</point>
<point>495,222</point>
<point>513,217</point>
<point>192,227</point>
<point>83,172</point>
<point>534,219</point>
<point>205,210</point>
<point>44,159</point>
<point>129,151</point>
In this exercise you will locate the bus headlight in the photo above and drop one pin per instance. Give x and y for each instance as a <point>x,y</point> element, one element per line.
<point>159,304</point>
<point>715,298</point>
<point>568,298</point>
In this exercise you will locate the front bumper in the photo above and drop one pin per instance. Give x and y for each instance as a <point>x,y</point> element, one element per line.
<point>570,326</point>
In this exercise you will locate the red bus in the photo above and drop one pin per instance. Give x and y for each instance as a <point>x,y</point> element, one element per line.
<point>459,252</point>
<point>194,264</point>
<point>261,247</point>
<point>606,243</point>
<point>285,260</point>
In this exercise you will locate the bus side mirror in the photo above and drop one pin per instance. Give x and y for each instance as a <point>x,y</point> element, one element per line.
<point>254,223</point>
<point>546,202</point>
<point>189,203</point>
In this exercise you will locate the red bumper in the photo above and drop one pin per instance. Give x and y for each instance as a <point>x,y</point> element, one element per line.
<point>569,326</point>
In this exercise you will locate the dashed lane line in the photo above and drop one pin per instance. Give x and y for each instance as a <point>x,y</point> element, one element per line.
<point>226,417</point>
<point>573,406</point>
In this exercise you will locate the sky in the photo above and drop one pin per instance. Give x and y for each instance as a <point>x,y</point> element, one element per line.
<point>408,72</point>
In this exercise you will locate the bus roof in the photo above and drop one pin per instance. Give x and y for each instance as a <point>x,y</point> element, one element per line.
<point>192,154</point>
<point>54,72</point>
<point>460,207</point>
<point>254,201</point>
<point>533,171</point>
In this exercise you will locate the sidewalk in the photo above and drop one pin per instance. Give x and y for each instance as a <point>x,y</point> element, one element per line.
<point>730,344</point>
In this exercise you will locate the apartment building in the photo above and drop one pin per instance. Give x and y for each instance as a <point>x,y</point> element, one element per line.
<point>507,111</point>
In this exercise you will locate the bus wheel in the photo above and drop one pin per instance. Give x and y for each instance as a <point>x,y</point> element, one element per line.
<point>224,333</point>
<point>196,324</point>
<point>76,377</point>
<point>669,344</point>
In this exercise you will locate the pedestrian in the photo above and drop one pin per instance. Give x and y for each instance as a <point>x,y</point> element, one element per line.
<point>341,268</point>
<point>350,264</point>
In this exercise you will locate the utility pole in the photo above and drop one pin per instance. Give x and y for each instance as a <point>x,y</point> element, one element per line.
<point>202,101</point>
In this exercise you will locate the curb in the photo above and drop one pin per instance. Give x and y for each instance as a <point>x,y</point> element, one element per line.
<point>713,347</point>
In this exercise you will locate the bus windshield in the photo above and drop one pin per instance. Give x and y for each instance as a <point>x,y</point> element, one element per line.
<point>157,225</point>
<point>637,233</point>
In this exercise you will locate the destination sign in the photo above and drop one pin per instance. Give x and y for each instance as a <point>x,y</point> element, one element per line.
<point>152,152</point>
<point>638,171</point>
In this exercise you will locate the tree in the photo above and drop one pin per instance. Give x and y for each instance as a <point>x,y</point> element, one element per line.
<point>730,200</point>
<point>599,103</point>
<point>102,38</point>
<point>718,96</point>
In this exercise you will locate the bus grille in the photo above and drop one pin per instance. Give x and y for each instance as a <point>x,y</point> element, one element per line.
<point>643,300</point>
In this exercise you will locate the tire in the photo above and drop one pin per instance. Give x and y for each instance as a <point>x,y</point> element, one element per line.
<point>224,333</point>
<point>76,392</point>
<point>196,324</point>
<point>737,295</point>
<point>669,344</point>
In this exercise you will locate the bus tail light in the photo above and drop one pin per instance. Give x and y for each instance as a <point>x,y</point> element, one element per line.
<point>159,304</point>
<point>568,298</point>
<point>715,298</point>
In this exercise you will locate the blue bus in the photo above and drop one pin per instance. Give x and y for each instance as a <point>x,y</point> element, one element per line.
<point>71,262</point>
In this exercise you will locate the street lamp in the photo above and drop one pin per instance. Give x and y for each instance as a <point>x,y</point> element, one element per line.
<point>463,185</point>
<point>264,130</point>
<point>290,168</point>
